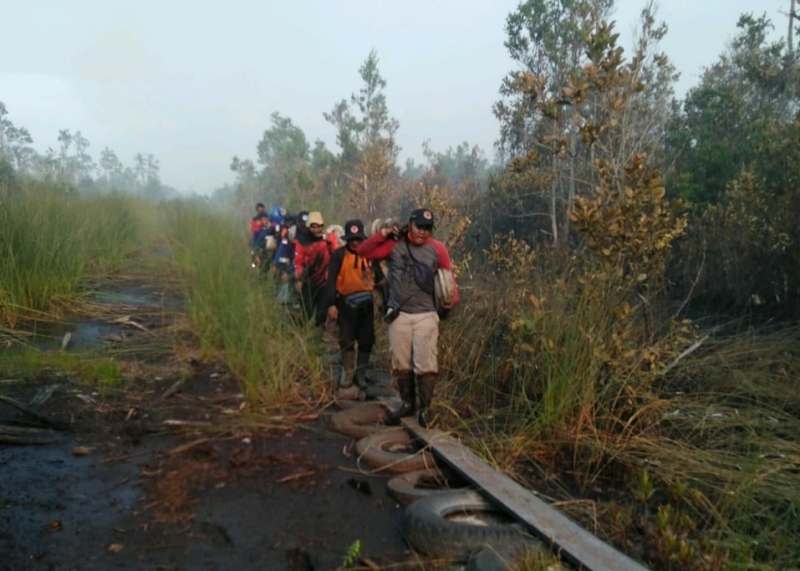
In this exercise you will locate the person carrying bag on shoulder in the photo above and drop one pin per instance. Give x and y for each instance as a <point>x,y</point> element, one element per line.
<point>351,282</point>
<point>415,258</point>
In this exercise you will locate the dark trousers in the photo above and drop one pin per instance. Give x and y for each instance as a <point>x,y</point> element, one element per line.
<point>311,298</point>
<point>356,325</point>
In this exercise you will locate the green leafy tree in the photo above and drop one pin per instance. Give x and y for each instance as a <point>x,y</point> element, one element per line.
<point>366,135</point>
<point>15,143</point>
<point>730,120</point>
<point>284,154</point>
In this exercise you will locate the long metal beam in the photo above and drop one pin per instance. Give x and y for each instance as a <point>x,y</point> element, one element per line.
<point>573,543</point>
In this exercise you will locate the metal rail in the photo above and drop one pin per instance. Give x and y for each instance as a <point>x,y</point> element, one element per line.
<point>568,539</point>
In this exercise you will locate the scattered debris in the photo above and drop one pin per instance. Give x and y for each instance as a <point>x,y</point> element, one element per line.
<point>297,476</point>
<point>174,389</point>
<point>43,395</point>
<point>21,430</point>
<point>55,525</point>
<point>188,423</point>
<point>188,446</point>
<point>42,419</point>
<point>22,440</point>
<point>126,320</point>
<point>360,485</point>
<point>65,341</point>
<point>115,547</point>
<point>85,398</point>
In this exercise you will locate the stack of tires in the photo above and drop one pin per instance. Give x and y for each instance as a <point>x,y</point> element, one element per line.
<point>443,520</point>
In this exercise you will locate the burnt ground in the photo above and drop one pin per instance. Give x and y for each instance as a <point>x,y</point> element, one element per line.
<point>290,496</point>
<point>195,480</point>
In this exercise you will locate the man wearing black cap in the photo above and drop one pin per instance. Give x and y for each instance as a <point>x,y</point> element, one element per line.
<point>351,281</point>
<point>414,257</point>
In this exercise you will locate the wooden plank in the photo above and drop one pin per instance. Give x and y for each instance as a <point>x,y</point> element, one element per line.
<point>568,539</point>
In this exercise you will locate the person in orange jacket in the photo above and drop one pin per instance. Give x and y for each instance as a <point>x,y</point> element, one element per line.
<point>348,296</point>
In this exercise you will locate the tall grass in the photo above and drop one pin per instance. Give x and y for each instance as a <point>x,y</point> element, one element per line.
<point>52,242</point>
<point>234,312</point>
<point>554,391</point>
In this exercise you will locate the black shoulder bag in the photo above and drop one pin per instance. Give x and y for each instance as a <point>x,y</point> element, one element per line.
<point>423,275</point>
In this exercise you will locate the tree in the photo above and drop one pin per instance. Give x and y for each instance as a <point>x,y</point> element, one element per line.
<point>366,135</point>
<point>283,153</point>
<point>731,119</point>
<point>462,166</point>
<point>576,100</point>
<point>15,143</point>
<point>547,39</point>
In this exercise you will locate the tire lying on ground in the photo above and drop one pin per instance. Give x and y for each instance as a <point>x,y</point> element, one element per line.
<point>345,404</point>
<point>376,392</point>
<point>412,486</point>
<point>439,525</point>
<point>359,421</point>
<point>507,557</point>
<point>392,450</point>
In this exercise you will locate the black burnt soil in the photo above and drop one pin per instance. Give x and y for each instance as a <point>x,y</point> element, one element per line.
<point>113,492</point>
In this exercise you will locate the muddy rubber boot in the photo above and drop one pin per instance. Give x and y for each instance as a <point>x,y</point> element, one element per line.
<point>405,385</point>
<point>361,369</point>
<point>426,383</point>
<point>349,366</point>
<point>347,390</point>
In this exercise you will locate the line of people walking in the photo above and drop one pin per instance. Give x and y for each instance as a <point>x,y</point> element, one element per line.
<point>336,274</point>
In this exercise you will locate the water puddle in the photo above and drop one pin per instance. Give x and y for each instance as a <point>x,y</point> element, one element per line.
<point>90,334</point>
<point>135,297</point>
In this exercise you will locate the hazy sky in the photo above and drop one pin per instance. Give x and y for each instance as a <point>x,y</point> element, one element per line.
<point>195,83</point>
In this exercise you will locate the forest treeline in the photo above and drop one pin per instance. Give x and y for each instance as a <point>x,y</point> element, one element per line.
<point>577,111</point>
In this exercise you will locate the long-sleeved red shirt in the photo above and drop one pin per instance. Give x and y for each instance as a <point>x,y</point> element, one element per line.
<point>404,293</point>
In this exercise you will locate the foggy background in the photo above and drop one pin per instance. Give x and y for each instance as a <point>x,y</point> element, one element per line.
<point>195,85</point>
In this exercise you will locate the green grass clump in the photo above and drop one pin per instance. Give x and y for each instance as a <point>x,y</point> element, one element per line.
<point>234,312</point>
<point>53,241</point>
<point>85,367</point>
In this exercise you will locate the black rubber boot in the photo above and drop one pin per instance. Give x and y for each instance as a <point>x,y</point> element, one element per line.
<point>426,382</point>
<point>405,385</point>
<point>361,368</point>
<point>349,366</point>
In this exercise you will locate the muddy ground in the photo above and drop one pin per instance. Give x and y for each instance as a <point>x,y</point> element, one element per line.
<point>291,497</point>
<point>141,479</point>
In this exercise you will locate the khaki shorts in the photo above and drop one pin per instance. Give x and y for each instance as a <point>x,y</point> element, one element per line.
<point>414,342</point>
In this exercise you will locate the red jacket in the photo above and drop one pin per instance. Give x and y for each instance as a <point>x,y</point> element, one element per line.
<point>403,291</point>
<point>311,261</point>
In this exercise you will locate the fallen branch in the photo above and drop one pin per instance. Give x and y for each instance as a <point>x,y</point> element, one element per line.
<point>43,419</point>
<point>188,446</point>
<point>189,423</point>
<point>20,430</point>
<point>126,320</point>
<point>685,354</point>
<point>174,389</point>
<point>23,440</point>
<point>294,477</point>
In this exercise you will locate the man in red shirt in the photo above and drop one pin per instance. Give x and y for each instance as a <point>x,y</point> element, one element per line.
<point>311,259</point>
<point>414,257</point>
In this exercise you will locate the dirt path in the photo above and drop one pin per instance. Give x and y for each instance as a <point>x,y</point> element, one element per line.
<point>130,487</point>
<point>283,498</point>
